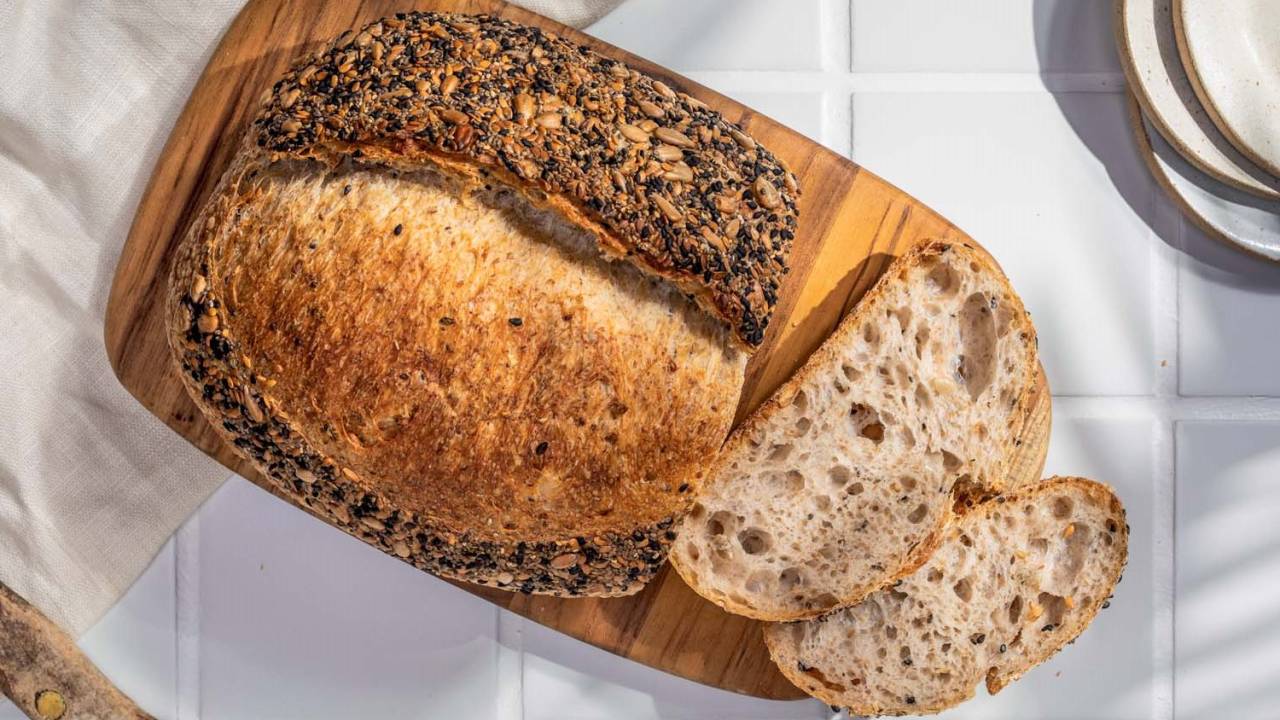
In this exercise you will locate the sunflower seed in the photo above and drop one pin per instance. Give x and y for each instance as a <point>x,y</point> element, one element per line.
<point>252,411</point>
<point>673,137</point>
<point>744,141</point>
<point>679,173</point>
<point>713,239</point>
<point>633,133</point>
<point>565,561</point>
<point>290,98</point>
<point>673,214</point>
<point>663,90</point>
<point>449,85</point>
<point>454,116</point>
<point>668,153</point>
<point>651,110</point>
<point>732,228</point>
<point>549,120</point>
<point>695,102</point>
<point>524,106</point>
<point>766,194</point>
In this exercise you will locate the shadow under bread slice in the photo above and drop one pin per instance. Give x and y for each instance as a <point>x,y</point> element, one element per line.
<point>845,478</point>
<point>1016,579</point>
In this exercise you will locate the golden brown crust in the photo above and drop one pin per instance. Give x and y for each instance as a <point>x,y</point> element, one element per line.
<point>45,674</point>
<point>433,371</point>
<point>659,177</point>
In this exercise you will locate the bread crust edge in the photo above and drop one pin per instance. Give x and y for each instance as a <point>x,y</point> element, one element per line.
<point>961,497</point>
<point>994,681</point>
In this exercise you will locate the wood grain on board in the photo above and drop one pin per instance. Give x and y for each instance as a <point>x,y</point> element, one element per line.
<point>852,224</point>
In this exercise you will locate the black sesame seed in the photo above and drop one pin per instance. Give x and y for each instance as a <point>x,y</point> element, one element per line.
<point>1003,647</point>
<point>446,320</point>
<point>397,229</point>
<point>541,448</point>
<point>911,699</point>
<point>346,189</point>
<point>515,321</point>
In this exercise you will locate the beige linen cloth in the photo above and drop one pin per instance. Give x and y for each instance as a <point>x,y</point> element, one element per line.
<point>91,485</point>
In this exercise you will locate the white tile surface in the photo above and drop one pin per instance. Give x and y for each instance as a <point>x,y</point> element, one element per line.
<point>135,642</point>
<point>298,620</point>
<point>1018,172</point>
<point>568,680</point>
<point>1228,571</point>
<point>280,616</point>
<point>800,111</point>
<point>1099,677</point>
<point>929,36</point>
<point>718,34</point>
<point>1230,321</point>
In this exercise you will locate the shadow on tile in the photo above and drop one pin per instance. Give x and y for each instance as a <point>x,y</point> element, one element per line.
<point>566,679</point>
<point>1111,142</point>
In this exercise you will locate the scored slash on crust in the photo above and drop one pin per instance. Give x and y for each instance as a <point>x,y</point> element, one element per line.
<point>688,195</point>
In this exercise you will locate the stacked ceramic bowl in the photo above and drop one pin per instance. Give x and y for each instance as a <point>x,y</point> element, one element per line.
<point>1205,82</point>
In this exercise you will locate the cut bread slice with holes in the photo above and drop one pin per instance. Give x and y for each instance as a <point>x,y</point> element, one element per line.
<point>845,479</point>
<point>1016,579</point>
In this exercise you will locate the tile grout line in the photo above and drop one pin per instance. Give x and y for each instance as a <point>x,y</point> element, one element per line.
<point>1163,531</point>
<point>1176,409</point>
<point>1167,324</point>
<point>906,82</point>
<point>187,618</point>
<point>510,665</point>
<point>835,49</point>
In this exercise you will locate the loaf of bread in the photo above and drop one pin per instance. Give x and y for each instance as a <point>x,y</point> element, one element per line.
<point>846,477</point>
<point>483,298</point>
<point>1017,579</point>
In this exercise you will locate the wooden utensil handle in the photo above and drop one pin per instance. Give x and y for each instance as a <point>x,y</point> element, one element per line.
<point>45,674</point>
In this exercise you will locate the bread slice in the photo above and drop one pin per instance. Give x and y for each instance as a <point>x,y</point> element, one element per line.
<point>846,477</point>
<point>441,299</point>
<point>1016,579</point>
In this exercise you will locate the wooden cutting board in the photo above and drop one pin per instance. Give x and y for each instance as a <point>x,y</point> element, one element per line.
<point>851,225</point>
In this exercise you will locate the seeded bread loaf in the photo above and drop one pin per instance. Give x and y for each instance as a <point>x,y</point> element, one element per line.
<point>846,478</point>
<point>1017,579</point>
<point>483,298</point>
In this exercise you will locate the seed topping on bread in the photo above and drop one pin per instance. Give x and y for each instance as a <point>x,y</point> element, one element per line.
<point>688,195</point>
